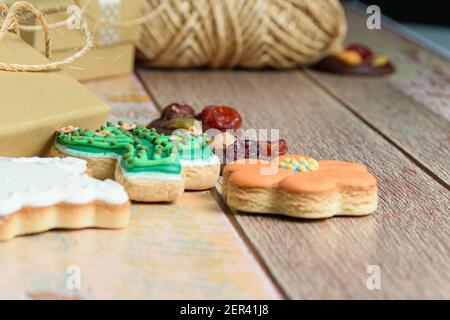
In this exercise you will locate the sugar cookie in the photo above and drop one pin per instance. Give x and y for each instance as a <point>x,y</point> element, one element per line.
<point>39,194</point>
<point>301,187</point>
<point>151,167</point>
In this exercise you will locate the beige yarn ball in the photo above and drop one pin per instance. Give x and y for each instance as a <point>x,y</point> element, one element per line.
<point>246,33</point>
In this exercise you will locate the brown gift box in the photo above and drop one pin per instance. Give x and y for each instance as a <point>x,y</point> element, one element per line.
<point>34,104</point>
<point>114,51</point>
<point>100,62</point>
<point>64,38</point>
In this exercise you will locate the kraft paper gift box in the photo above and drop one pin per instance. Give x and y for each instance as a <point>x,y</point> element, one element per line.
<point>100,62</point>
<point>33,105</point>
<point>64,38</point>
<point>114,49</point>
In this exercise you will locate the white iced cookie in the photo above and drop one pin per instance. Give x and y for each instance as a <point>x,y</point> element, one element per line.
<point>39,194</point>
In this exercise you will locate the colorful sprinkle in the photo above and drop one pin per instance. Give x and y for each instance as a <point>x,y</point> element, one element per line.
<point>104,134</point>
<point>300,164</point>
<point>126,126</point>
<point>176,139</point>
<point>68,129</point>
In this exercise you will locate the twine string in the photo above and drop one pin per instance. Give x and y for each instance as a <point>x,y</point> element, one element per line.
<point>57,24</point>
<point>102,22</point>
<point>11,24</point>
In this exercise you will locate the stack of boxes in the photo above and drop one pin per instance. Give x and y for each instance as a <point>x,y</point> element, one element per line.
<point>114,47</point>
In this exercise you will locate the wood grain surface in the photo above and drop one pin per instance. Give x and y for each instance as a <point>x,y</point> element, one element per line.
<point>411,108</point>
<point>407,237</point>
<point>186,250</point>
<point>199,249</point>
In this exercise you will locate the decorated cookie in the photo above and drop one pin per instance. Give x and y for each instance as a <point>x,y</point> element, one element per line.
<point>301,187</point>
<point>356,59</point>
<point>152,167</point>
<point>40,194</point>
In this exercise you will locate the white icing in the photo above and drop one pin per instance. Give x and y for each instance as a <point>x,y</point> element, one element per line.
<point>43,182</point>
<point>151,175</point>
<point>213,160</point>
<point>77,153</point>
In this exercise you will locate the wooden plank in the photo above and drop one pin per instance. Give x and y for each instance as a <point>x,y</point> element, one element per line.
<point>187,250</point>
<point>411,107</point>
<point>127,98</point>
<point>407,237</point>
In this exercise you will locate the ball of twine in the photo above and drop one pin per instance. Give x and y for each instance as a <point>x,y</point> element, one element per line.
<point>241,33</point>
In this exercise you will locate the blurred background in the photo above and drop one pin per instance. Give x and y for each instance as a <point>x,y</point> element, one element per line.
<point>429,19</point>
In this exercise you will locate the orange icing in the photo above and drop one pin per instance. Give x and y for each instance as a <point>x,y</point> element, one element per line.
<point>245,164</point>
<point>257,180</point>
<point>351,178</point>
<point>331,175</point>
<point>309,182</point>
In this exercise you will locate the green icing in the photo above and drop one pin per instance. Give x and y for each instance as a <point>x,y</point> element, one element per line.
<point>142,149</point>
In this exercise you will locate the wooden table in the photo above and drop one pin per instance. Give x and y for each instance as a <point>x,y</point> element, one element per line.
<point>199,249</point>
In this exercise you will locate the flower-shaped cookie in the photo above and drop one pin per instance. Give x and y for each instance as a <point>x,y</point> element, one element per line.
<point>299,186</point>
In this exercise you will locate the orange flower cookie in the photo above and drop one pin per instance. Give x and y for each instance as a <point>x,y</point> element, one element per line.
<point>300,186</point>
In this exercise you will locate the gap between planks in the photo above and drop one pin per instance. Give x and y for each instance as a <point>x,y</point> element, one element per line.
<point>326,259</point>
<point>406,111</point>
<point>366,121</point>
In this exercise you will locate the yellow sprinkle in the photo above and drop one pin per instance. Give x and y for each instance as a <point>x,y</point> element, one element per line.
<point>290,166</point>
<point>302,169</point>
<point>287,160</point>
